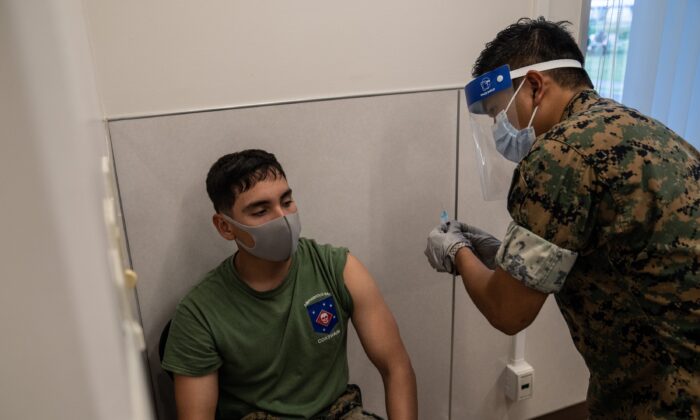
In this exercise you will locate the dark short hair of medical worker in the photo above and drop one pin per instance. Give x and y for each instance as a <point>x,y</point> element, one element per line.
<point>531,41</point>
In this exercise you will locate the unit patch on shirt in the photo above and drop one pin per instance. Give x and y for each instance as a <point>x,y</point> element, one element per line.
<point>323,315</point>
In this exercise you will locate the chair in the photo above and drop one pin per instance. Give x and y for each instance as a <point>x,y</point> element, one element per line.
<point>161,344</point>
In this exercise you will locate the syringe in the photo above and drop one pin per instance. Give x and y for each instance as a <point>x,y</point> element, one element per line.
<point>444,217</point>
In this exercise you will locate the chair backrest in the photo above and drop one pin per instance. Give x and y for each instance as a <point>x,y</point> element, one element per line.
<point>161,344</point>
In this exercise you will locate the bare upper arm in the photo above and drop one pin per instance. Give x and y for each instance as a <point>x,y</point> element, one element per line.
<point>196,396</point>
<point>374,322</point>
<point>519,304</point>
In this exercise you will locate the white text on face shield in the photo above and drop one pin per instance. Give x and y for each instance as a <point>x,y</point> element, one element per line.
<point>488,92</point>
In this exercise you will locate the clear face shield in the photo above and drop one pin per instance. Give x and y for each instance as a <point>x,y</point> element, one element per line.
<point>499,139</point>
<point>487,96</point>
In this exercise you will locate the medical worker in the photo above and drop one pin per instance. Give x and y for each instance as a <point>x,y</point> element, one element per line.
<point>605,203</point>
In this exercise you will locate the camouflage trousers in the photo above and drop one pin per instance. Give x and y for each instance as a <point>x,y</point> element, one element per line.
<point>347,407</point>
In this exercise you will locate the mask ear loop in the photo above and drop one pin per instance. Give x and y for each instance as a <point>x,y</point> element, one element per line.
<point>532,118</point>
<point>514,95</point>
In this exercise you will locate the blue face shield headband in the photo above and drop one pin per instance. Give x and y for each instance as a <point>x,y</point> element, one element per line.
<point>484,92</point>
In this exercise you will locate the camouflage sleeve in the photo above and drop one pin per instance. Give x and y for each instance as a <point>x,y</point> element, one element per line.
<point>556,194</point>
<point>537,263</point>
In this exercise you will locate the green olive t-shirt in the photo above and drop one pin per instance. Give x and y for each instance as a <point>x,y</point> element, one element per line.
<point>282,351</point>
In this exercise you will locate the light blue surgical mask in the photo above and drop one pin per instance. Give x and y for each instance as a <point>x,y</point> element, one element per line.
<point>512,143</point>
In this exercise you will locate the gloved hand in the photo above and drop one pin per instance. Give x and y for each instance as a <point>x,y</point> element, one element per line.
<point>443,243</point>
<point>483,243</point>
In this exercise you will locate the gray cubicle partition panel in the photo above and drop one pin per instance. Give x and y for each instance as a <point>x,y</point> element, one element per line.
<point>369,173</point>
<point>561,378</point>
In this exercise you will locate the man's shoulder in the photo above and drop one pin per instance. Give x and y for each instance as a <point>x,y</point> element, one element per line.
<point>312,243</point>
<point>328,263</point>
<point>210,285</point>
<point>310,249</point>
<point>603,127</point>
<point>606,136</point>
<point>590,127</point>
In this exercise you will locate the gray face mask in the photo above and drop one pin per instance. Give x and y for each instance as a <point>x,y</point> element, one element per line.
<point>275,240</point>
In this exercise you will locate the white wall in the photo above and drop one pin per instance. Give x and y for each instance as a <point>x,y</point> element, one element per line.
<point>63,350</point>
<point>164,56</point>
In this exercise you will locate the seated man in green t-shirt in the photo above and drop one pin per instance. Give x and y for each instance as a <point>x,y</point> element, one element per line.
<point>264,334</point>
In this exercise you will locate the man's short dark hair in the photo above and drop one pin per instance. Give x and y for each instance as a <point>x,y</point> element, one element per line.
<point>531,41</point>
<point>237,172</point>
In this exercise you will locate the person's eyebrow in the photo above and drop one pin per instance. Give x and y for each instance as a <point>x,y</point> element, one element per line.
<point>286,194</point>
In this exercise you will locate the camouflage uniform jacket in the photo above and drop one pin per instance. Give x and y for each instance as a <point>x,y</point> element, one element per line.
<point>622,191</point>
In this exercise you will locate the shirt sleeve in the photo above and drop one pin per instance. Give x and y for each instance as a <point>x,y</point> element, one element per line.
<point>536,262</point>
<point>552,203</point>
<point>190,349</point>
<point>337,258</point>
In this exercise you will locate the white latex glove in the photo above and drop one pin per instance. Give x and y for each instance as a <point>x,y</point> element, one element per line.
<point>443,243</point>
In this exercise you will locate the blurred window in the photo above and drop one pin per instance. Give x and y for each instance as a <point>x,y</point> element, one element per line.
<point>607,45</point>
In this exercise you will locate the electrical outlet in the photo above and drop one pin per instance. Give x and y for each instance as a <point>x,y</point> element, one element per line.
<point>519,380</point>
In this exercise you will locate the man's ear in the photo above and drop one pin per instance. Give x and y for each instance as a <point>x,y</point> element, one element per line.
<point>223,227</point>
<point>537,86</point>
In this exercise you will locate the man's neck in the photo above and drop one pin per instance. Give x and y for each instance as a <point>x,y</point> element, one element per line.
<point>565,98</point>
<point>552,110</point>
<point>261,275</point>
